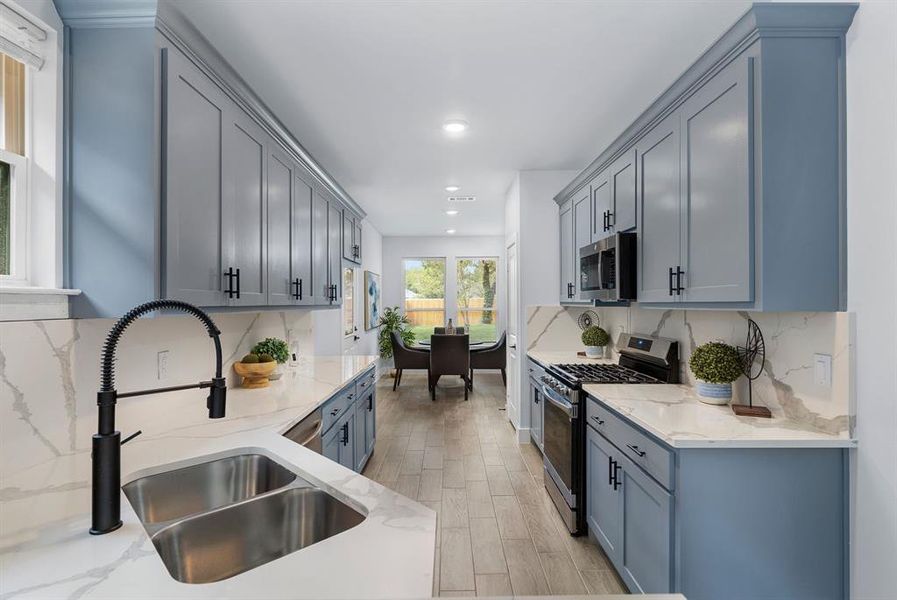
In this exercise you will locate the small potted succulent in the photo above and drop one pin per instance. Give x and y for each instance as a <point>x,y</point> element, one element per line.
<point>595,339</point>
<point>716,365</point>
<point>275,348</point>
<point>255,369</point>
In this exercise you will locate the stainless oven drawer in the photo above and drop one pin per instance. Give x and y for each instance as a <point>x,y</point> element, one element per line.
<point>653,457</point>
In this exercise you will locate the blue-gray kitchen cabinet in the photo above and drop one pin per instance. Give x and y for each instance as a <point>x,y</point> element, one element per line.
<point>335,252</point>
<point>566,268</point>
<point>365,435</point>
<point>602,200</point>
<point>716,522</point>
<point>195,216</point>
<point>622,209</point>
<point>739,169</point>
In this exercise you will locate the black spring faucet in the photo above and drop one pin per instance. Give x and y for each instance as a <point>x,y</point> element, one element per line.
<point>106,454</point>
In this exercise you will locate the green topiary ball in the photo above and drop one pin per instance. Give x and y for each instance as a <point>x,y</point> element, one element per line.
<point>716,362</point>
<point>250,358</point>
<point>265,358</point>
<point>274,347</point>
<point>595,336</point>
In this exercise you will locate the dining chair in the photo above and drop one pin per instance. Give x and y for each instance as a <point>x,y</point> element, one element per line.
<point>449,355</point>
<point>491,357</point>
<point>441,331</point>
<point>406,358</point>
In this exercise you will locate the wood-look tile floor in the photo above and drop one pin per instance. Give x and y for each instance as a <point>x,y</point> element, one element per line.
<point>498,534</point>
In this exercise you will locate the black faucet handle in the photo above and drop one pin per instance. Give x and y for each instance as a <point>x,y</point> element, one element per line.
<point>131,437</point>
<point>217,397</point>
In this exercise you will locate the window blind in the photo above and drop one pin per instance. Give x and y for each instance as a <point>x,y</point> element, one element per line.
<point>20,38</point>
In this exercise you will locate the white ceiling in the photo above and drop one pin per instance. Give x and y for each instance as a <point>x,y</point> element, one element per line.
<point>366,85</point>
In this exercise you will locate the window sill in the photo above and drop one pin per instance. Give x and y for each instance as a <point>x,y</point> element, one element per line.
<point>27,303</point>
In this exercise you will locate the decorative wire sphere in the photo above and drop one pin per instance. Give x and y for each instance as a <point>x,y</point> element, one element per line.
<point>586,319</point>
<point>754,352</point>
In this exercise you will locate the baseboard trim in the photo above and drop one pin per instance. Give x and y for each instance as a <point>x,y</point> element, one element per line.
<point>523,435</point>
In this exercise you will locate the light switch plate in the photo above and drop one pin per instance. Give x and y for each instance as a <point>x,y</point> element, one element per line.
<point>162,364</point>
<point>822,369</point>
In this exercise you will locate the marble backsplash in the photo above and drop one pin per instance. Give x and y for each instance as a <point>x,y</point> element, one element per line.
<point>787,383</point>
<point>50,371</point>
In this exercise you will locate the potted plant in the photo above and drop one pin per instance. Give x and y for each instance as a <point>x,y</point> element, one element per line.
<point>393,320</point>
<point>276,348</point>
<point>255,369</point>
<point>716,365</point>
<point>595,339</point>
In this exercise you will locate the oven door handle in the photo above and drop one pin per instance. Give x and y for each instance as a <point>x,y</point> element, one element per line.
<point>567,407</point>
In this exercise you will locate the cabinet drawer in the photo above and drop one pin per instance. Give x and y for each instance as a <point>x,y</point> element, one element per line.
<point>365,382</point>
<point>336,406</point>
<point>536,371</point>
<point>651,456</point>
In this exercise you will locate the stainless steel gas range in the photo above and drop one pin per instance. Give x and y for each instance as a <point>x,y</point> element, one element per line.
<point>644,359</point>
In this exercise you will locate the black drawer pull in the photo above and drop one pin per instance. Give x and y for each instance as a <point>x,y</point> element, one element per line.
<point>334,412</point>
<point>597,420</point>
<point>671,281</point>
<point>610,471</point>
<point>636,449</point>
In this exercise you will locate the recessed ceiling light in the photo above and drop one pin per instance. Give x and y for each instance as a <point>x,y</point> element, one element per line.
<point>451,212</point>
<point>450,231</point>
<point>455,126</point>
<point>452,188</point>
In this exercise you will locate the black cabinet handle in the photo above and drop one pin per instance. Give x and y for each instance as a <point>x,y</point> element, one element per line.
<point>636,449</point>
<point>297,283</point>
<point>610,220</point>
<point>238,282</point>
<point>569,290</point>
<point>610,471</point>
<point>597,420</point>
<point>617,482</point>
<point>345,434</point>
<point>229,274</point>
<point>679,274</point>
<point>370,403</point>
<point>334,412</point>
<point>671,281</point>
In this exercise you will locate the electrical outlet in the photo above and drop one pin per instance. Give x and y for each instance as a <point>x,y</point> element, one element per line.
<point>162,364</point>
<point>822,369</point>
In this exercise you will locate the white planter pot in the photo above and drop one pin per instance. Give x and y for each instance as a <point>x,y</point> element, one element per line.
<point>595,351</point>
<point>714,393</point>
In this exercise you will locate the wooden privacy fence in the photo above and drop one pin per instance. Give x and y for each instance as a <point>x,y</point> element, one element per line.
<point>431,311</point>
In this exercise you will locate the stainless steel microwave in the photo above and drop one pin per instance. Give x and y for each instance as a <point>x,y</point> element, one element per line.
<point>607,269</point>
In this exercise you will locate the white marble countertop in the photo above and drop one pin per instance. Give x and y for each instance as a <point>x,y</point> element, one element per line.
<point>674,414</point>
<point>45,550</point>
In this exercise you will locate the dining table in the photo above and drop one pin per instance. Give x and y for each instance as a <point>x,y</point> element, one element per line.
<point>425,345</point>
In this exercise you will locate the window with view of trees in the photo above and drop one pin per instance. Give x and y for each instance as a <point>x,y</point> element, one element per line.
<point>476,298</point>
<point>12,168</point>
<point>424,294</point>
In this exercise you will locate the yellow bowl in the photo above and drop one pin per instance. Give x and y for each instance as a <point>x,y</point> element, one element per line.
<point>255,375</point>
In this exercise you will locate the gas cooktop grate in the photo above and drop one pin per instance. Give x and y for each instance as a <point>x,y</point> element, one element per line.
<point>588,373</point>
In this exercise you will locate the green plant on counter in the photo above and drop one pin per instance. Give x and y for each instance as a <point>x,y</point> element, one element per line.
<point>716,362</point>
<point>273,348</point>
<point>393,320</point>
<point>250,359</point>
<point>595,336</point>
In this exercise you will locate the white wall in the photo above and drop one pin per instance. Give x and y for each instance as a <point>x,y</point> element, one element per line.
<point>371,260</point>
<point>451,247</point>
<point>531,220</point>
<point>872,290</point>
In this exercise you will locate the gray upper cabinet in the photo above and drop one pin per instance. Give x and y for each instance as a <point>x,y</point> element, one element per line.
<point>734,176</point>
<point>281,179</point>
<point>245,221</point>
<point>659,231</point>
<point>351,237</point>
<point>601,206</point>
<point>204,196</point>
<point>566,267</point>
<point>335,253</point>
<point>582,234</point>
<point>320,258</point>
<point>622,206</point>
<point>302,237</point>
<point>716,223</point>
<point>193,137</point>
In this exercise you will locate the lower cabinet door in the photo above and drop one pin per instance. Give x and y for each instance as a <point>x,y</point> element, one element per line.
<point>370,422</point>
<point>604,506</point>
<point>347,440</point>
<point>536,416</point>
<point>361,455</point>
<point>647,541</point>
<point>330,444</point>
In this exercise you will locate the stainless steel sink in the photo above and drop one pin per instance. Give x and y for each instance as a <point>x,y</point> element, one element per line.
<point>226,542</point>
<point>203,487</point>
<point>223,517</point>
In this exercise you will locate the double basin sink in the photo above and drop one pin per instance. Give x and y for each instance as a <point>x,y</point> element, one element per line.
<point>222,517</point>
